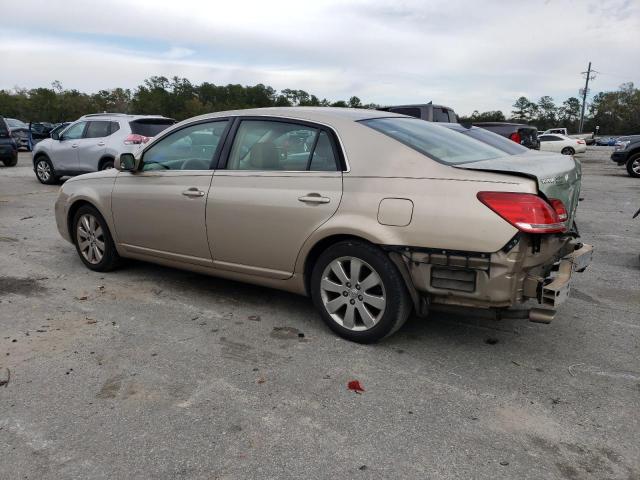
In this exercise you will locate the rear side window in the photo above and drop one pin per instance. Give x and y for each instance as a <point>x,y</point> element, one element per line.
<point>435,141</point>
<point>151,127</point>
<point>98,129</point>
<point>441,115</point>
<point>412,112</point>
<point>273,145</point>
<point>115,126</point>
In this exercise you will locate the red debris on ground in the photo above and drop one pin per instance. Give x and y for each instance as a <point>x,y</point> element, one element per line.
<point>355,386</point>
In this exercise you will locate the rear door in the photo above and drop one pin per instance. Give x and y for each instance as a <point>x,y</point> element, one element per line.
<point>92,145</point>
<point>281,179</point>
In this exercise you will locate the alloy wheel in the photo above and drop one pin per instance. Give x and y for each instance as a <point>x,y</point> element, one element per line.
<point>90,238</point>
<point>43,170</point>
<point>635,166</point>
<point>353,294</point>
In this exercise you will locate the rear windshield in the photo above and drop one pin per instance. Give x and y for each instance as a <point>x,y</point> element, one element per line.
<point>434,141</point>
<point>150,128</point>
<point>495,140</point>
<point>13,123</point>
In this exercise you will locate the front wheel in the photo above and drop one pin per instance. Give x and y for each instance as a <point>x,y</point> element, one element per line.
<point>567,151</point>
<point>45,172</point>
<point>107,165</point>
<point>359,292</point>
<point>12,162</point>
<point>93,240</point>
<point>633,166</point>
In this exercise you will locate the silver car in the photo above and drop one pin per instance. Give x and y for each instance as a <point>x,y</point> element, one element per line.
<point>92,143</point>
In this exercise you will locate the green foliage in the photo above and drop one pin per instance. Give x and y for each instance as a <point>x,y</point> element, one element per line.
<point>174,97</point>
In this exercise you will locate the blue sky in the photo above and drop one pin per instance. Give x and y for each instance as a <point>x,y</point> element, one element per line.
<point>465,54</point>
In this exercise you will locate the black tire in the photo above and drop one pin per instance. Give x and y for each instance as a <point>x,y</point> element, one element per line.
<point>12,162</point>
<point>392,287</point>
<point>107,164</point>
<point>567,151</point>
<point>110,258</point>
<point>633,166</point>
<point>45,173</point>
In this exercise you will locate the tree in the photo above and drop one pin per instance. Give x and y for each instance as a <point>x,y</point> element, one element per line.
<point>354,102</point>
<point>569,113</point>
<point>521,108</point>
<point>547,112</point>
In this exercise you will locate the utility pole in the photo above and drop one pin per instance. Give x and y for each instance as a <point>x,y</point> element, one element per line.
<point>584,95</point>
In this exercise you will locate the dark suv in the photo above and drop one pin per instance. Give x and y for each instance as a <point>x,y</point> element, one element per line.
<point>8,146</point>
<point>627,152</point>
<point>525,135</point>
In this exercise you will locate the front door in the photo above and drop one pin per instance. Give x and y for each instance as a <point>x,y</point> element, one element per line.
<point>160,210</point>
<point>64,152</point>
<point>281,181</point>
<point>92,145</point>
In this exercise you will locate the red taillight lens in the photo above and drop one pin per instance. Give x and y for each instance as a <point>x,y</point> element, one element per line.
<point>515,137</point>
<point>525,211</point>
<point>135,139</point>
<point>582,142</point>
<point>560,209</point>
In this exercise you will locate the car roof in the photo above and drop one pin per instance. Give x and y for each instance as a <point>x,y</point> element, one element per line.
<point>312,114</point>
<point>124,116</point>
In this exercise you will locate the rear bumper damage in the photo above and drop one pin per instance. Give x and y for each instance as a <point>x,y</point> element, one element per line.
<point>530,271</point>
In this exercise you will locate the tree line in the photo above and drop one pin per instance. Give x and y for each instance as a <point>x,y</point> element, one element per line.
<point>615,112</point>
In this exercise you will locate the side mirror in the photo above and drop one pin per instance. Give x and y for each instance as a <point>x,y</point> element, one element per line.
<point>126,162</point>
<point>55,136</point>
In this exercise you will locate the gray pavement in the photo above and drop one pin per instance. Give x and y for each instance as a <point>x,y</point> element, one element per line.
<point>149,372</point>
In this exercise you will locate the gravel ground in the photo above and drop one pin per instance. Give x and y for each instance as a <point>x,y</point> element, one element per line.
<point>150,372</point>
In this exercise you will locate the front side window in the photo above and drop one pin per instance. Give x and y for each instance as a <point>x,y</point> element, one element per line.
<point>98,129</point>
<point>190,148</point>
<point>273,145</point>
<point>434,141</point>
<point>74,132</point>
<point>441,115</point>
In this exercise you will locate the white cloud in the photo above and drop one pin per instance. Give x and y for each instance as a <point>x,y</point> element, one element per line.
<point>466,54</point>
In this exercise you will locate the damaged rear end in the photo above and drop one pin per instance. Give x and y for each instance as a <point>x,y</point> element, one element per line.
<point>534,268</point>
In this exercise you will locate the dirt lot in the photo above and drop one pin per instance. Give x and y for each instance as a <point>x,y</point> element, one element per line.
<point>149,372</point>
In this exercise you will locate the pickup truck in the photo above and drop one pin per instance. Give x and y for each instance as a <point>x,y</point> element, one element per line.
<point>425,111</point>
<point>627,152</point>
<point>589,138</point>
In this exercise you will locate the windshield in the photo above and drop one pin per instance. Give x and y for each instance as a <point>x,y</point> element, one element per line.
<point>13,123</point>
<point>434,141</point>
<point>495,140</point>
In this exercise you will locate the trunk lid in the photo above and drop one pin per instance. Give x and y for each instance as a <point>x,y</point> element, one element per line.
<point>558,176</point>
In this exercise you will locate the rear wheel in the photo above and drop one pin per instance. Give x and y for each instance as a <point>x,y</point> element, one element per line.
<point>45,172</point>
<point>11,162</point>
<point>93,240</point>
<point>568,151</point>
<point>633,165</point>
<point>359,292</point>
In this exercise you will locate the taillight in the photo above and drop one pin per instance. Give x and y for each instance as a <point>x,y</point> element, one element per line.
<point>525,211</point>
<point>135,139</point>
<point>581,141</point>
<point>515,136</point>
<point>560,209</point>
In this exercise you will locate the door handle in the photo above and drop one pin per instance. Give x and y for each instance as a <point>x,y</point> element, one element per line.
<point>193,192</point>
<point>74,145</point>
<point>101,144</point>
<point>314,198</point>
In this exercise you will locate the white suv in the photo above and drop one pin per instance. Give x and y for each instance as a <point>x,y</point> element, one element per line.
<point>92,143</point>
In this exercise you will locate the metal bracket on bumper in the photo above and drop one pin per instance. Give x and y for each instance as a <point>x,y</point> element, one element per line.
<point>555,293</point>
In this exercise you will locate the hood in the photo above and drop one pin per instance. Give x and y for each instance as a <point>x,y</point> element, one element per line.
<point>558,176</point>
<point>112,172</point>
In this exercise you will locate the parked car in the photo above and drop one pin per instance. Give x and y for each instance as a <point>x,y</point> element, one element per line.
<point>488,137</point>
<point>19,132</point>
<point>425,111</point>
<point>606,141</point>
<point>40,130</point>
<point>376,215</point>
<point>562,144</point>
<point>589,138</point>
<point>627,152</point>
<point>8,146</point>
<point>525,135</point>
<point>92,143</point>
